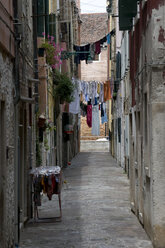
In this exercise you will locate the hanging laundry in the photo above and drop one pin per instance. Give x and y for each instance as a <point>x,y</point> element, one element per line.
<point>92,51</point>
<point>87,93</point>
<point>96,94</point>
<point>82,53</point>
<point>98,88</point>
<point>77,56</point>
<point>104,118</point>
<point>47,180</point>
<point>90,90</point>
<point>83,108</point>
<point>74,107</point>
<point>97,47</point>
<point>93,92</point>
<point>87,52</point>
<point>113,32</point>
<point>101,94</point>
<point>102,110</point>
<point>107,91</point>
<point>103,40</point>
<point>95,120</point>
<point>89,115</point>
<point>108,38</point>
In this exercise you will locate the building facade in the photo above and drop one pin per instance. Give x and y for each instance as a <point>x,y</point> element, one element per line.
<point>7,91</point>
<point>139,102</point>
<point>17,132</point>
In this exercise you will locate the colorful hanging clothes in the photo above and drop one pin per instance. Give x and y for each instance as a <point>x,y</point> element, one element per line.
<point>89,115</point>
<point>107,91</point>
<point>95,120</point>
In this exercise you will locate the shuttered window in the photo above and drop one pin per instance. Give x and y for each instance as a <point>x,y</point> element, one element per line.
<point>127,10</point>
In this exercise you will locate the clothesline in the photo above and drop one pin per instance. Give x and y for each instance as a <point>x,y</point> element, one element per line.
<point>82,52</point>
<point>112,33</point>
<point>90,100</point>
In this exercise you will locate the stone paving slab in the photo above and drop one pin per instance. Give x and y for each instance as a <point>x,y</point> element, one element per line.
<point>96,209</point>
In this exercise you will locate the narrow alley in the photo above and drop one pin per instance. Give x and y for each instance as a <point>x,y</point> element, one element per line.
<point>95,206</point>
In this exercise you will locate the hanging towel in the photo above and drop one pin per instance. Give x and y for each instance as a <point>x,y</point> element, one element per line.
<point>95,120</point>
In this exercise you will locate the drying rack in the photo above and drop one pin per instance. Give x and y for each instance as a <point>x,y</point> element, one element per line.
<point>46,171</point>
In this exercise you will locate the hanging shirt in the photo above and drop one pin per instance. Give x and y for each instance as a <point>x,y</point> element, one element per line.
<point>98,88</point>
<point>90,90</point>
<point>95,120</point>
<point>93,93</point>
<point>74,107</point>
<point>89,115</point>
<point>97,47</point>
<point>92,51</point>
<point>101,94</point>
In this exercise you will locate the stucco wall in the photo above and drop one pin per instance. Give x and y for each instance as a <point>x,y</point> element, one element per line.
<point>148,134</point>
<point>7,168</point>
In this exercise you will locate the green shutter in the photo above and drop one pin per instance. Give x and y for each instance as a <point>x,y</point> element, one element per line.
<point>127,10</point>
<point>40,17</point>
<point>46,17</point>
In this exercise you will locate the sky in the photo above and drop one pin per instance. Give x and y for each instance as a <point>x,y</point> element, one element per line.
<point>93,6</point>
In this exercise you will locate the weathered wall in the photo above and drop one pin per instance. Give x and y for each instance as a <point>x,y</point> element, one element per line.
<point>7,145</point>
<point>7,37</point>
<point>148,130</point>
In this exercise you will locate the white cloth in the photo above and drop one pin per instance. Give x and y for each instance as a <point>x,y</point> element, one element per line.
<point>95,120</point>
<point>74,107</point>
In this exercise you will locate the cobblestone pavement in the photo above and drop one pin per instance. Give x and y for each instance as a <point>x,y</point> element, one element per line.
<point>96,210</point>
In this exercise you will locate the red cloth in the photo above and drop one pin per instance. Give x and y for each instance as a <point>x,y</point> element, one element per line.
<point>97,47</point>
<point>89,115</point>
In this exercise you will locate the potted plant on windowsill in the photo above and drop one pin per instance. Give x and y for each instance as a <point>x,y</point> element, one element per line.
<point>63,87</point>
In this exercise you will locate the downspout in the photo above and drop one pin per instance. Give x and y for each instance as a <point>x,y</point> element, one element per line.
<point>35,65</point>
<point>35,53</point>
<point>16,107</point>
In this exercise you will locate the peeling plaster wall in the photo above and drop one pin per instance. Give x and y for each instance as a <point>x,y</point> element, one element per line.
<point>7,164</point>
<point>150,101</point>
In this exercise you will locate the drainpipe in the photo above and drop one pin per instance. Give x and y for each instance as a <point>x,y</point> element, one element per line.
<point>35,58</point>
<point>16,107</point>
<point>35,54</point>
